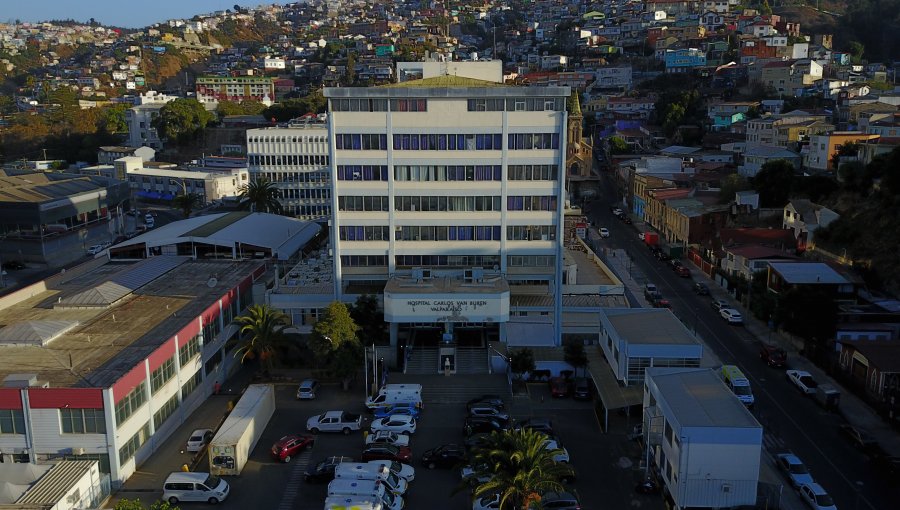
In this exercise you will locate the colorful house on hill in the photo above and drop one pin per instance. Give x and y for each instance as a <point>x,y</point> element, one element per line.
<point>683,60</point>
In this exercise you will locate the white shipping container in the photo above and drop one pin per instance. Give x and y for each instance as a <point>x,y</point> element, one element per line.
<point>236,438</point>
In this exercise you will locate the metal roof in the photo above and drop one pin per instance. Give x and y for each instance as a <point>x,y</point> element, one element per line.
<point>808,273</point>
<point>699,398</point>
<point>38,333</point>
<point>51,488</point>
<point>16,479</point>
<point>123,283</point>
<point>648,326</point>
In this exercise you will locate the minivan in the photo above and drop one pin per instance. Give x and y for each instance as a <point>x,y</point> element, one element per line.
<point>307,389</point>
<point>368,488</point>
<point>181,486</point>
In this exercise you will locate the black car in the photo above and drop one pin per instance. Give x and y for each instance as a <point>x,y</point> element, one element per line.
<point>446,456</point>
<point>323,471</point>
<point>488,410</point>
<point>544,425</point>
<point>582,389</point>
<point>701,289</point>
<point>492,400</point>
<point>663,256</point>
<point>13,265</point>
<point>559,501</point>
<point>477,440</point>
<point>476,424</point>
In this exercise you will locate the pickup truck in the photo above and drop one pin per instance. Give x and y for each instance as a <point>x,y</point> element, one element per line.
<point>803,380</point>
<point>334,421</point>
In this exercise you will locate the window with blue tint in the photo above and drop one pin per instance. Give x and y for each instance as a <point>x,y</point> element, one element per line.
<point>498,172</point>
<point>527,141</point>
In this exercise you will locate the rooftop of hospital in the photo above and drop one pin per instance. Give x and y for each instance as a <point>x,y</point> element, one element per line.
<point>92,324</point>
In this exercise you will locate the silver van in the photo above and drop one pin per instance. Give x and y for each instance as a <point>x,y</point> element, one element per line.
<point>181,486</point>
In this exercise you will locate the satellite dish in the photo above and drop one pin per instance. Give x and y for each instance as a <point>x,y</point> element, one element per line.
<point>212,282</point>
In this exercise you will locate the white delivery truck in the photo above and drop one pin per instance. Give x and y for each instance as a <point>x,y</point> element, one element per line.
<point>367,471</point>
<point>236,438</point>
<point>367,488</point>
<point>390,394</point>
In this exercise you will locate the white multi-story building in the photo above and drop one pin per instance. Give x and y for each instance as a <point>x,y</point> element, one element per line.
<point>296,158</point>
<point>139,118</point>
<point>703,441</point>
<point>166,183</point>
<point>448,198</point>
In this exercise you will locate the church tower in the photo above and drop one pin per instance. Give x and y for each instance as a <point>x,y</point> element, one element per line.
<point>579,154</point>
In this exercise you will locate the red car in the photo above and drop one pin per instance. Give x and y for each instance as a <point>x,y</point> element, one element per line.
<point>682,271</point>
<point>291,446</point>
<point>387,452</point>
<point>559,387</point>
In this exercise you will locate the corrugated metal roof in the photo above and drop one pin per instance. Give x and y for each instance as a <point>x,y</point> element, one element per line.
<point>123,283</point>
<point>38,333</point>
<point>57,482</point>
<point>807,273</point>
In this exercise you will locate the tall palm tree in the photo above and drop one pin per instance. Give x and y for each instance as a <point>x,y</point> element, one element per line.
<point>262,329</point>
<point>260,195</point>
<point>186,203</point>
<point>520,467</point>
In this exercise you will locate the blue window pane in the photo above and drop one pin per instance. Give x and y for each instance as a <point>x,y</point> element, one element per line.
<point>397,142</point>
<point>382,140</point>
<point>479,142</point>
<point>357,142</point>
<point>498,142</point>
<point>451,142</point>
<point>460,142</point>
<point>498,172</point>
<point>555,142</point>
<point>496,232</point>
<point>414,142</point>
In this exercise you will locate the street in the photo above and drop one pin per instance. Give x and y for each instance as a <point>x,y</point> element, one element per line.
<point>792,421</point>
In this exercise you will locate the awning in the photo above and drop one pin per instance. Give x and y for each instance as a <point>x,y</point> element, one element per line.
<point>612,394</point>
<point>155,195</point>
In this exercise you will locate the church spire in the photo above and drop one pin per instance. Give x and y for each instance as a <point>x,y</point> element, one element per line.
<point>574,105</point>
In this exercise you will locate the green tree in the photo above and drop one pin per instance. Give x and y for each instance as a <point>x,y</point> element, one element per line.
<point>262,331</point>
<point>260,195</point>
<point>226,108</point>
<point>521,361</point>
<point>520,468</point>
<point>617,145</point>
<point>293,108</point>
<point>730,185</point>
<point>113,119</point>
<point>334,328</point>
<point>350,75</point>
<point>182,119</point>
<point>574,355</point>
<point>774,182</point>
<point>856,51</point>
<point>366,315</point>
<point>135,504</point>
<point>186,203</point>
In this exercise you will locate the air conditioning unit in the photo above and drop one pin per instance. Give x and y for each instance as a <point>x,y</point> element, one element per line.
<point>468,275</point>
<point>426,274</point>
<point>77,451</point>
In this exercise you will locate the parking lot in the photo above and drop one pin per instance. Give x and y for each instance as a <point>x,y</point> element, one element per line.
<point>606,464</point>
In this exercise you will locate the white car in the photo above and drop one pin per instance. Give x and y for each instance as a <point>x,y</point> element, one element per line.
<point>794,469</point>
<point>199,438</point>
<point>803,380</point>
<point>816,497</point>
<point>402,470</point>
<point>395,423</point>
<point>97,248</point>
<point>604,232</point>
<point>491,502</point>
<point>731,316</point>
<point>642,236</point>
<point>562,455</point>
<point>388,437</point>
<point>467,473</point>
<point>616,211</point>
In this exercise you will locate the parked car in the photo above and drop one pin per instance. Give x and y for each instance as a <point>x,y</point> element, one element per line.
<point>97,248</point>
<point>701,289</point>
<point>469,474</point>
<point>815,496</point>
<point>774,356</point>
<point>323,470</point>
<point>446,456</point>
<point>562,455</point>
<point>731,316</point>
<point>489,502</point>
<point>662,255</point>
<point>307,389</point>
<point>198,439</point>
<point>395,423</point>
<point>334,421</point>
<point>604,232</point>
<point>719,304</point>
<point>859,438</point>
<point>544,425</point>
<point>559,387</point>
<point>387,452</point>
<point>476,424</point>
<point>582,389</point>
<point>559,501</point>
<point>803,380</point>
<point>388,437</point>
<point>793,469</point>
<point>616,211</point>
<point>650,290</point>
<point>682,271</point>
<point>407,408</point>
<point>487,410</point>
<point>13,265</point>
<point>493,400</point>
<point>477,440</point>
<point>289,446</point>
<point>641,236</point>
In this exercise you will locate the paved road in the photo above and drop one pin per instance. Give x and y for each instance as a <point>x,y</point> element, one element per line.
<point>791,420</point>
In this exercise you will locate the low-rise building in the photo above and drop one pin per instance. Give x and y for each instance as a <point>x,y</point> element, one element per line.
<point>783,276</point>
<point>684,60</point>
<point>704,444</point>
<point>165,183</point>
<point>804,217</point>
<point>756,156</point>
<point>822,148</point>
<point>212,89</point>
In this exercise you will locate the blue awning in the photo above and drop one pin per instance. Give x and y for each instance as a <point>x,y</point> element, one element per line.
<point>154,195</point>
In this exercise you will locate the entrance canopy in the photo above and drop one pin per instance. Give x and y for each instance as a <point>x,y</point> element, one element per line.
<point>612,394</point>
<point>446,299</point>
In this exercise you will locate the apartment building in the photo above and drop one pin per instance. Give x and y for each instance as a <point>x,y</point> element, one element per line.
<point>212,89</point>
<point>448,196</point>
<point>296,158</point>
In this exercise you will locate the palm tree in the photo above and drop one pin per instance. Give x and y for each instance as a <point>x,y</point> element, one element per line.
<point>186,203</point>
<point>520,467</point>
<point>262,329</point>
<point>260,195</point>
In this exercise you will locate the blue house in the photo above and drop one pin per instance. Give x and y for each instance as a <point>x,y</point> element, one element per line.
<point>684,59</point>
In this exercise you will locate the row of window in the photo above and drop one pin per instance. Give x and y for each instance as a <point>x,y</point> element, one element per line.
<point>361,142</point>
<point>308,211</point>
<point>531,203</point>
<point>211,329</point>
<point>453,203</point>
<point>283,139</point>
<point>165,411</point>
<point>188,350</point>
<point>82,421</point>
<point>379,105</point>
<point>448,142</point>
<point>162,375</point>
<point>532,172</point>
<point>292,177</point>
<point>365,233</point>
<point>415,173</point>
<point>531,233</point>
<point>367,203</point>
<point>191,385</point>
<point>131,403</point>
<point>451,233</point>
<point>127,451</point>
<point>362,173</point>
<point>287,159</point>
<point>520,141</point>
<point>518,104</point>
<point>306,194</point>
<point>459,261</point>
<point>12,421</point>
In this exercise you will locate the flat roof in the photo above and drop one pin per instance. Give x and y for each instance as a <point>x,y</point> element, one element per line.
<point>589,270</point>
<point>490,284</point>
<point>110,340</point>
<point>649,326</point>
<point>698,398</point>
<point>37,187</point>
<point>807,273</point>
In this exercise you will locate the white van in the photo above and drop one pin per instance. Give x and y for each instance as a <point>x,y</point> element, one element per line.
<point>396,394</point>
<point>372,471</point>
<point>181,486</point>
<point>369,488</point>
<point>738,384</point>
<point>352,503</point>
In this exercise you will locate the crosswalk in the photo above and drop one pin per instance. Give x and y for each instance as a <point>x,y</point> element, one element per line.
<point>292,488</point>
